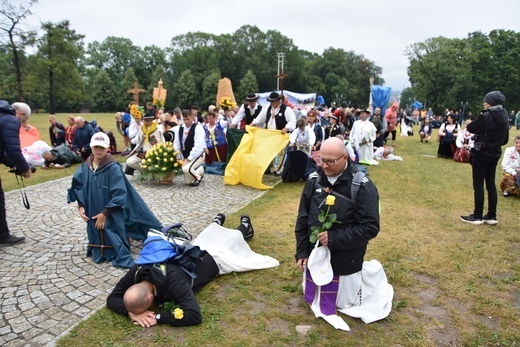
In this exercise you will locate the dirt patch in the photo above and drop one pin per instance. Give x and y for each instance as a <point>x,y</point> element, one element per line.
<point>441,328</point>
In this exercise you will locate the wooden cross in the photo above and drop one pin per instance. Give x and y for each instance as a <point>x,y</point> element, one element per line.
<point>281,77</point>
<point>136,92</point>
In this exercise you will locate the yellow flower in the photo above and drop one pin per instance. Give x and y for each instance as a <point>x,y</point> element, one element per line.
<point>160,150</point>
<point>156,166</point>
<point>176,164</point>
<point>178,313</point>
<point>164,169</point>
<point>149,160</point>
<point>165,160</point>
<point>171,159</point>
<point>331,199</point>
<point>144,166</point>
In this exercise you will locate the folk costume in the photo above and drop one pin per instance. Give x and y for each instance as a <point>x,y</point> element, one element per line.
<point>246,114</point>
<point>215,143</point>
<point>190,142</point>
<point>510,184</point>
<point>147,137</point>
<point>105,189</point>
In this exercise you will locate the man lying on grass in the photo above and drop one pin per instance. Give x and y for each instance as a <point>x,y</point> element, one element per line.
<point>172,284</point>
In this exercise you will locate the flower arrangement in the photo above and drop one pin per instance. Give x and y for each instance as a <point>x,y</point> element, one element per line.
<point>160,162</point>
<point>325,218</point>
<point>158,103</point>
<point>176,311</point>
<point>136,111</point>
<point>226,103</point>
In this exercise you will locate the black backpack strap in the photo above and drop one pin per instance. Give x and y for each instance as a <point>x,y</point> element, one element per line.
<point>356,184</point>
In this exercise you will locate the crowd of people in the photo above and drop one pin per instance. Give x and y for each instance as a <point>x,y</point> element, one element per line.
<point>338,140</point>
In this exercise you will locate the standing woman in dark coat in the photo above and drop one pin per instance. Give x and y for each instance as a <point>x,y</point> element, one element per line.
<point>491,131</point>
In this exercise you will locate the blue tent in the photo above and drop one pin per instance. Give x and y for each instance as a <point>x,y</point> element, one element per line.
<point>380,98</point>
<point>321,100</point>
<point>417,105</point>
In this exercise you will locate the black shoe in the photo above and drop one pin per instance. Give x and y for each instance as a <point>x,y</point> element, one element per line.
<point>195,183</point>
<point>11,240</point>
<point>471,219</point>
<point>489,220</point>
<point>246,227</point>
<point>219,219</point>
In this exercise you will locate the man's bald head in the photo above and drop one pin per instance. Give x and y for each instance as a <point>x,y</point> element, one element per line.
<point>138,297</point>
<point>333,156</point>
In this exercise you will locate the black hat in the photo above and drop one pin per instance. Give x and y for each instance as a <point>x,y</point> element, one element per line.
<point>252,97</point>
<point>274,96</point>
<point>149,115</point>
<point>495,98</point>
<point>358,112</point>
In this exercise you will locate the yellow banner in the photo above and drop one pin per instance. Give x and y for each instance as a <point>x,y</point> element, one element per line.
<point>256,151</point>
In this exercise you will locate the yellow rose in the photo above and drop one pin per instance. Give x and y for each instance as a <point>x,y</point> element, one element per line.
<point>330,200</point>
<point>165,160</point>
<point>178,313</point>
<point>144,166</point>
<point>149,160</point>
<point>171,159</point>
<point>176,164</point>
<point>164,169</point>
<point>160,150</point>
<point>156,166</point>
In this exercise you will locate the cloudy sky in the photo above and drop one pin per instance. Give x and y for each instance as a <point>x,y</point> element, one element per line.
<point>378,29</point>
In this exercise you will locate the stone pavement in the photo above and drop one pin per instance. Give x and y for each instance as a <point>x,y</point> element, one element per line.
<point>47,285</point>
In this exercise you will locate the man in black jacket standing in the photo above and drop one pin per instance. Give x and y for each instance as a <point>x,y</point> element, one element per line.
<point>10,155</point>
<point>491,131</point>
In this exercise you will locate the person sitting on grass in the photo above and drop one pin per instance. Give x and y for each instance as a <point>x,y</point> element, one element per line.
<point>219,251</point>
<point>510,184</point>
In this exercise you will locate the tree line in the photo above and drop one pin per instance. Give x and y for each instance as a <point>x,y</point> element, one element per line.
<point>53,69</point>
<point>63,74</point>
<point>457,73</point>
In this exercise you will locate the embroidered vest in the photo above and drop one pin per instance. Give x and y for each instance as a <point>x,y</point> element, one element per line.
<point>279,118</point>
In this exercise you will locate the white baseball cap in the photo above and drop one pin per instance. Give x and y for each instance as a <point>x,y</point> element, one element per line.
<point>319,266</point>
<point>100,139</point>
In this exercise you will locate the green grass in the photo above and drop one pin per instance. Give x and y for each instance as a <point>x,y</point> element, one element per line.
<point>455,283</point>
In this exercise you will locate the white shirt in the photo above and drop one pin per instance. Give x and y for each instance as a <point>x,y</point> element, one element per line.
<point>290,117</point>
<point>241,113</point>
<point>303,137</point>
<point>199,139</point>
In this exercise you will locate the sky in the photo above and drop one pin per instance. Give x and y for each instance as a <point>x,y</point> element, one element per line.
<point>380,30</point>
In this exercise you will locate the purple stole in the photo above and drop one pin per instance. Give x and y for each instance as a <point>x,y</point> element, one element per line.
<point>328,293</point>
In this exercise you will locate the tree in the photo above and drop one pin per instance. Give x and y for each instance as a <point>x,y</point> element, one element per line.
<point>59,51</point>
<point>102,95</point>
<point>17,38</point>
<point>209,89</point>
<point>247,85</point>
<point>126,84</point>
<point>185,90</point>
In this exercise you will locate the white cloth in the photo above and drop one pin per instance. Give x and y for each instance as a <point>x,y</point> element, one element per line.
<point>33,153</point>
<point>230,251</point>
<point>364,131</point>
<point>365,294</point>
<point>511,160</point>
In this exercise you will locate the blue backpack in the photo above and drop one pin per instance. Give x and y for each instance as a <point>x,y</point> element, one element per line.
<point>171,244</point>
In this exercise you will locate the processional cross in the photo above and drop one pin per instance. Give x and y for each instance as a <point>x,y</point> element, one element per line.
<point>159,92</point>
<point>281,78</point>
<point>136,92</point>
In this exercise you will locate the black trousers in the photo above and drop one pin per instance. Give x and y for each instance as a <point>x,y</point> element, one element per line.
<point>484,170</point>
<point>4,230</point>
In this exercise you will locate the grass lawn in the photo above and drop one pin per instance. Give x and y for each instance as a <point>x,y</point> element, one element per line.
<point>455,284</point>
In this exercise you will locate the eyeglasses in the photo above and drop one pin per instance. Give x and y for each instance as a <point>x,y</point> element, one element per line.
<point>329,162</point>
